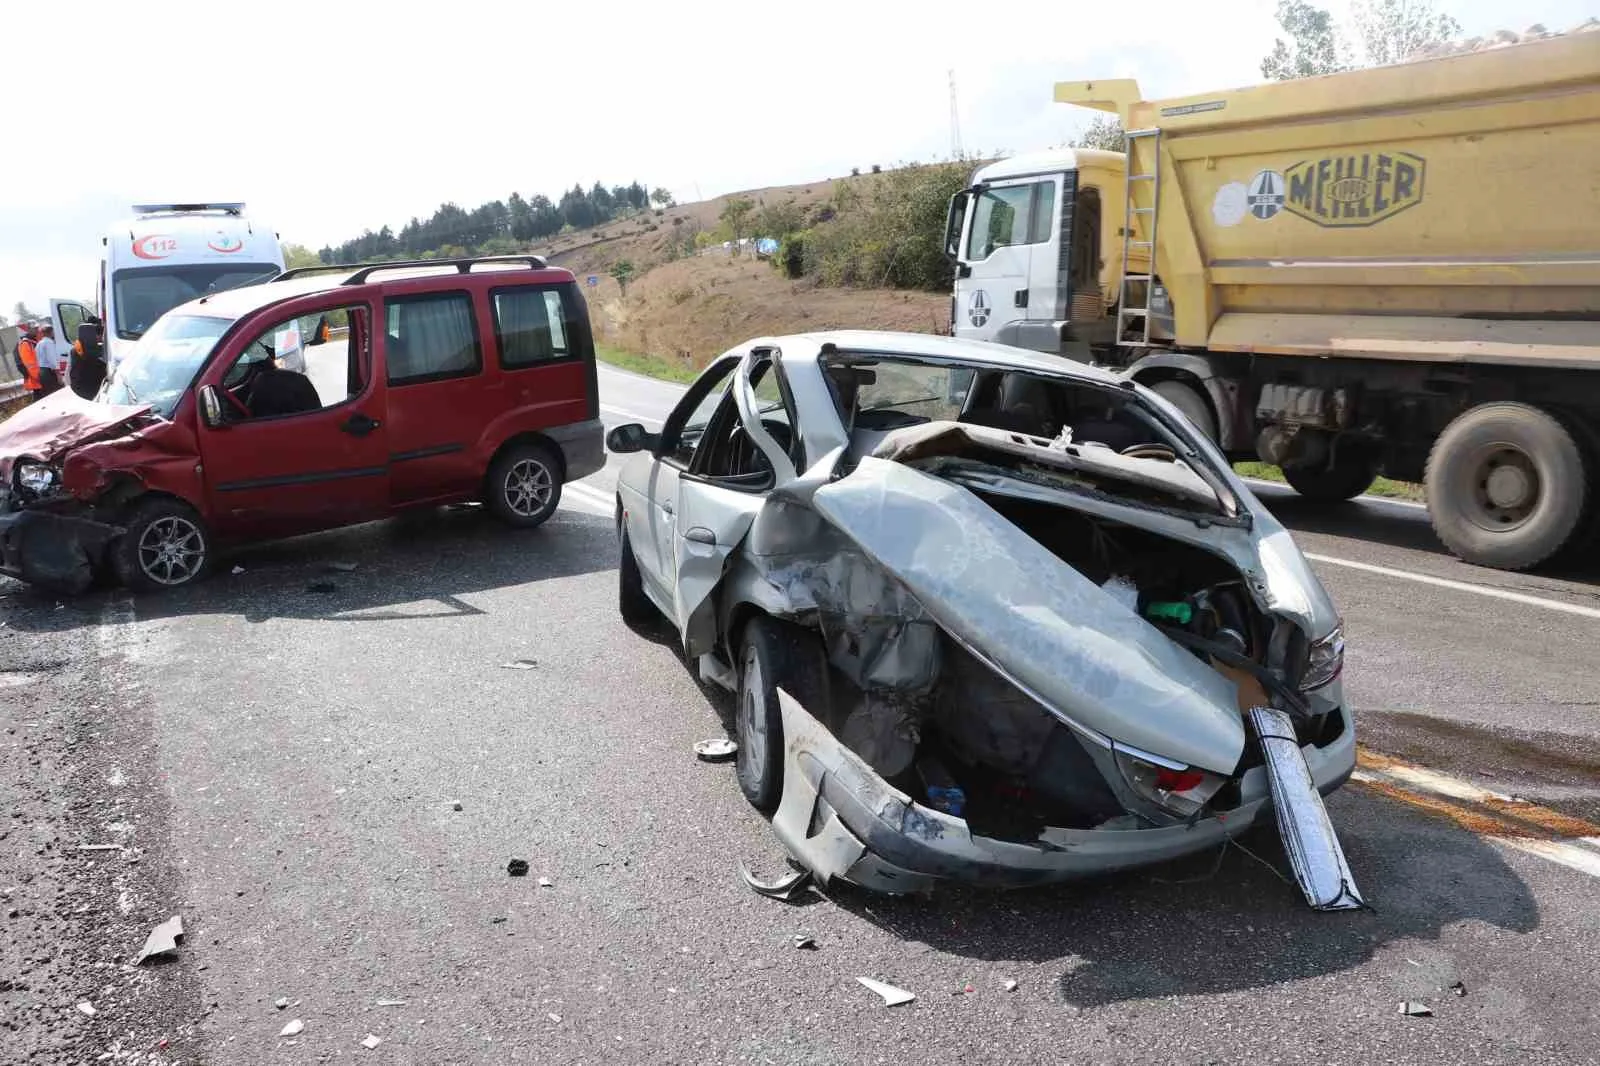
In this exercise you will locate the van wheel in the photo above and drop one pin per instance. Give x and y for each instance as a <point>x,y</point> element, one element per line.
<point>1506,486</point>
<point>524,485</point>
<point>773,655</point>
<point>1194,405</point>
<point>166,546</point>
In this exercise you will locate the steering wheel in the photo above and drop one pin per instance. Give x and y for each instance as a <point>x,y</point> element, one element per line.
<point>747,457</point>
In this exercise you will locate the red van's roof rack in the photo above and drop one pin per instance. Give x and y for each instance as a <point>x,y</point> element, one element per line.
<point>364,270</point>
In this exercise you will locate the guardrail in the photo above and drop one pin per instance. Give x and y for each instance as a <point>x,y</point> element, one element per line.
<point>11,390</point>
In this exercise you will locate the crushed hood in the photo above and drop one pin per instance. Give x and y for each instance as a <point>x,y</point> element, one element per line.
<point>1049,629</point>
<point>60,422</point>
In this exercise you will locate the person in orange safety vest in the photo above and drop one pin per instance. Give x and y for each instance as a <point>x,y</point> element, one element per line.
<point>28,360</point>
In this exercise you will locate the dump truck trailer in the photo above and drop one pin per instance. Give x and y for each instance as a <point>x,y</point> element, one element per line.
<point>1392,270</point>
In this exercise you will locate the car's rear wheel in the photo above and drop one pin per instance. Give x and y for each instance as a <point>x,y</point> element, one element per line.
<point>166,545</point>
<point>635,606</point>
<point>773,655</point>
<point>524,485</point>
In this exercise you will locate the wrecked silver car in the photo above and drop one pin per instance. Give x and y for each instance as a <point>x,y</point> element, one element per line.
<point>989,615</point>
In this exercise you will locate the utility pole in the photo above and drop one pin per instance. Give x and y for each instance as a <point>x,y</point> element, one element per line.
<point>955,121</point>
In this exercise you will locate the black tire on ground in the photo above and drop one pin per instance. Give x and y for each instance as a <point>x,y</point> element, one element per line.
<point>773,654</point>
<point>635,607</point>
<point>1352,475</point>
<point>166,546</point>
<point>524,485</point>
<point>1507,486</point>
<point>1193,403</point>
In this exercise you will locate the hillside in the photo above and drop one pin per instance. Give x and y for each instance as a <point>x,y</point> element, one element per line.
<point>684,305</point>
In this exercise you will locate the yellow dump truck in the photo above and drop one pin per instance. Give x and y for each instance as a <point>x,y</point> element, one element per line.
<point>1392,270</point>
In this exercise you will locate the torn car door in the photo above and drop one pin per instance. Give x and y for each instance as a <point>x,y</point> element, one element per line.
<point>1048,629</point>
<point>710,522</point>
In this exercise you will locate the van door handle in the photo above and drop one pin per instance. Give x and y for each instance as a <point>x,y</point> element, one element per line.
<point>1021,297</point>
<point>701,535</point>
<point>359,425</point>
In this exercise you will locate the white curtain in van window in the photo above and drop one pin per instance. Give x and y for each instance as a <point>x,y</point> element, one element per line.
<point>435,337</point>
<point>530,326</point>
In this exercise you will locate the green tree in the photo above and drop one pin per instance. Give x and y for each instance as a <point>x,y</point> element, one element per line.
<point>736,216</point>
<point>661,197</point>
<point>1105,133</point>
<point>622,270</point>
<point>1393,31</point>
<point>21,313</point>
<point>1311,44</point>
<point>298,255</point>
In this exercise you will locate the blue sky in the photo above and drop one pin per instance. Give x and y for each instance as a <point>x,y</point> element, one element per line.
<point>327,118</point>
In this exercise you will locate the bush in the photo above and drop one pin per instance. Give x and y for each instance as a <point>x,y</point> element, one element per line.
<point>887,231</point>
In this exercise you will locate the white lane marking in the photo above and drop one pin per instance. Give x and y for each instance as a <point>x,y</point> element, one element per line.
<point>625,413</point>
<point>1567,854</point>
<point>1431,781</point>
<point>1459,586</point>
<point>589,497</point>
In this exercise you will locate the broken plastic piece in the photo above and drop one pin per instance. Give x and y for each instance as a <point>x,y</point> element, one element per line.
<point>371,1042</point>
<point>1308,836</point>
<point>804,941</point>
<point>294,1028</point>
<point>163,939</point>
<point>1177,612</point>
<point>1415,1010</point>
<point>545,882</point>
<point>787,888</point>
<point>892,996</point>
<point>519,664</point>
<point>238,570</point>
<point>282,1003</point>
<point>391,1003</point>
<point>719,749</point>
<point>1011,984</point>
<point>517,867</point>
<point>1459,989</point>
<point>86,1008</point>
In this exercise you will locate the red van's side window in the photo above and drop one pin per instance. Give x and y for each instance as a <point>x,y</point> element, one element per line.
<point>431,337</point>
<point>532,326</point>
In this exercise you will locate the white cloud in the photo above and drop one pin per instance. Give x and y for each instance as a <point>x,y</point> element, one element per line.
<point>334,116</point>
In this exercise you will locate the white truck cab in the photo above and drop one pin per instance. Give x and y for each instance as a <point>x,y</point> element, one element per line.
<point>1037,245</point>
<point>165,255</point>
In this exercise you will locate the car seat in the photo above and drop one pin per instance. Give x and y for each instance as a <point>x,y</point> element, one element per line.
<point>282,392</point>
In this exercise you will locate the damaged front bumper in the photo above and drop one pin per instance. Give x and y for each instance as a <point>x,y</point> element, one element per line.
<point>840,819</point>
<point>53,549</point>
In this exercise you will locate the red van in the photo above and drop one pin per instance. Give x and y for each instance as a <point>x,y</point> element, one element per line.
<point>307,402</point>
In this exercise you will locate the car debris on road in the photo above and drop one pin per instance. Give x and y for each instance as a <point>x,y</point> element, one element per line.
<point>892,996</point>
<point>163,940</point>
<point>989,615</point>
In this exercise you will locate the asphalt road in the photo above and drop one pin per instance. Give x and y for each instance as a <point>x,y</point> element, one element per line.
<point>288,745</point>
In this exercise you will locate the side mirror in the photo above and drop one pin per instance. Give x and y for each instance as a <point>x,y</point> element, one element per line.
<point>210,407</point>
<point>631,438</point>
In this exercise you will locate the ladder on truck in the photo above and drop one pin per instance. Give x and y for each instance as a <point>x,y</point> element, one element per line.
<point>1128,310</point>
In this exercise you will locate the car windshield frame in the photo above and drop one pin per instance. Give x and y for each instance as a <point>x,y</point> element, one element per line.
<point>165,362</point>
<point>1198,454</point>
<point>196,280</point>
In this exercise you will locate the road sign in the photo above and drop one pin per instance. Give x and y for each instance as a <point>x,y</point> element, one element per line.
<point>593,281</point>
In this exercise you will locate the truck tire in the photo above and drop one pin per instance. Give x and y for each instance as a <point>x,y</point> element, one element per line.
<point>1196,407</point>
<point>1506,486</point>
<point>773,654</point>
<point>1345,480</point>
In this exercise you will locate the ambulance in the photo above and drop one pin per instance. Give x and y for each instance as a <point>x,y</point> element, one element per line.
<point>166,255</point>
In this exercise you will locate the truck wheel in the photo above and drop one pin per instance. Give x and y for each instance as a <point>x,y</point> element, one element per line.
<point>1345,480</point>
<point>166,546</point>
<point>773,654</point>
<point>1506,486</point>
<point>524,485</point>
<point>1194,405</point>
